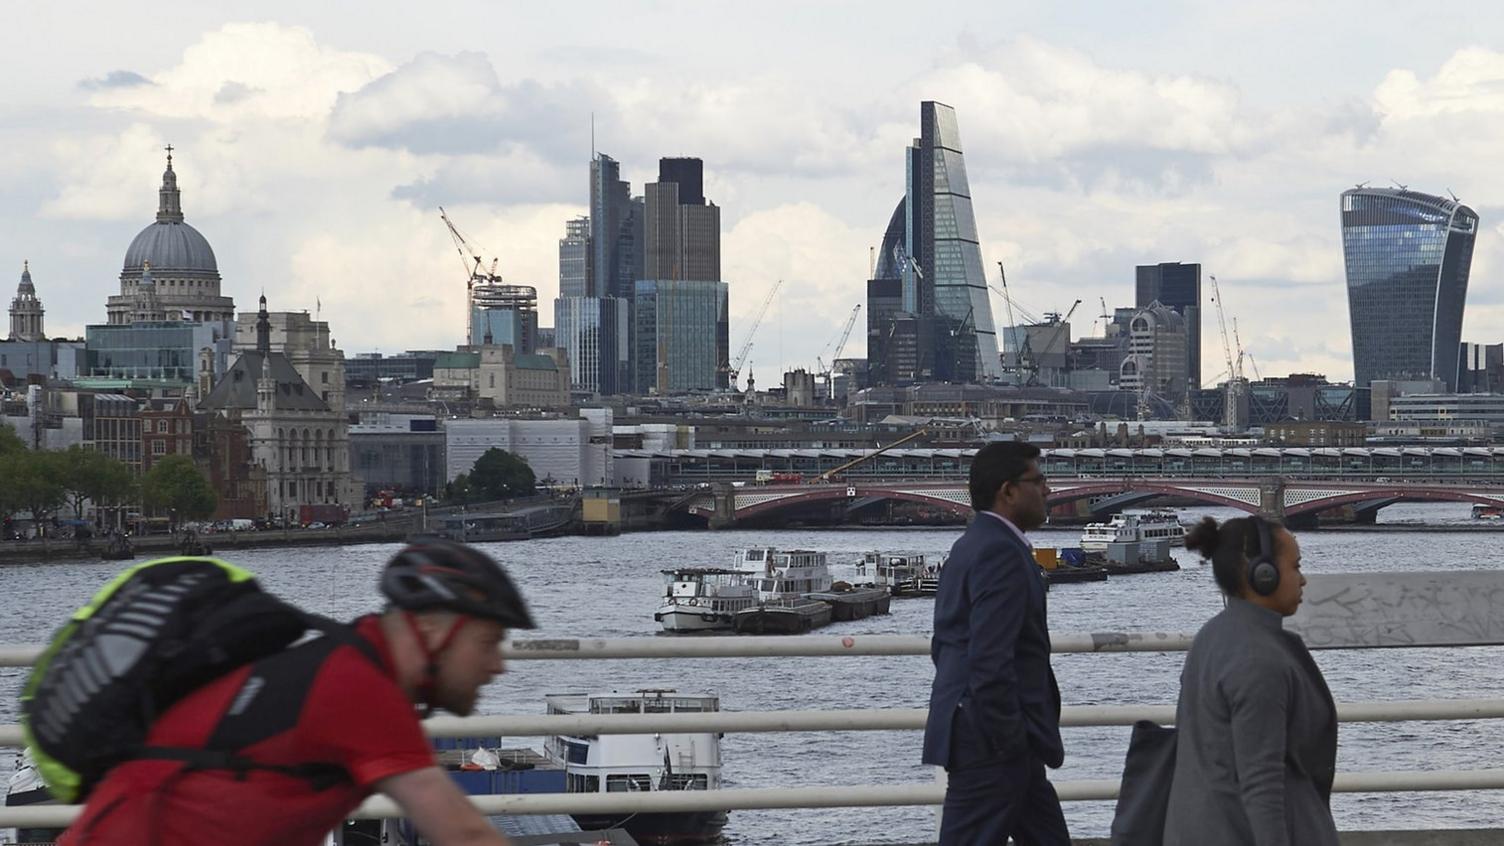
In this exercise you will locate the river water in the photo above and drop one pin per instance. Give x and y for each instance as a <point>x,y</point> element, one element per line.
<point>609,587</point>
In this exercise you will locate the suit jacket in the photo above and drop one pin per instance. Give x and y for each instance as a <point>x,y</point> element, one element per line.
<point>1258,737</point>
<point>991,649</point>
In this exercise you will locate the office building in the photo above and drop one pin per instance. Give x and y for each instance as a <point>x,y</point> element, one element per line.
<point>681,231</point>
<point>1480,369</point>
<point>1408,256</point>
<point>574,258</point>
<point>938,261</point>
<point>559,451</point>
<point>1155,367</point>
<point>504,314</point>
<point>615,232</point>
<point>681,336</point>
<point>595,333</point>
<point>1177,286</point>
<point>165,351</point>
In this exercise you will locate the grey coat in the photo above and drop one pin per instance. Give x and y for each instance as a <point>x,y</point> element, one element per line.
<point>1258,738</point>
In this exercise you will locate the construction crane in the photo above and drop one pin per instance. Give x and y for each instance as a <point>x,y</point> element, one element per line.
<point>734,367</point>
<point>1023,356</point>
<point>1232,369</point>
<point>1242,354</point>
<point>839,342</point>
<point>473,275</point>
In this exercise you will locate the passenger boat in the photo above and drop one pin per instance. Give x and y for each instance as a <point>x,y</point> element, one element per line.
<point>27,788</point>
<point>781,581</point>
<point>1488,512</point>
<point>641,763</point>
<point>698,599</point>
<point>901,575</point>
<point>1133,528</point>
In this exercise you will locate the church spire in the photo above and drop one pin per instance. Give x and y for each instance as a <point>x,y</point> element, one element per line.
<point>170,200</point>
<point>263,329</point>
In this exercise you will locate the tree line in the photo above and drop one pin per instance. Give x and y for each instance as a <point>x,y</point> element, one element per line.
<point>43,482</point>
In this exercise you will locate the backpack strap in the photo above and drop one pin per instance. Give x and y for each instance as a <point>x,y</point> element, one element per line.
<point>270,702</point>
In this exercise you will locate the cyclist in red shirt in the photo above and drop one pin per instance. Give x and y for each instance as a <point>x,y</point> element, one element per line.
<point>293,743</point>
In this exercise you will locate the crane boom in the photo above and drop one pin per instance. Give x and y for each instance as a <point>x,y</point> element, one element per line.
<point>1222,321</point>
<point>836,471</point>
<point>735,366</point>
<point>846,333</point>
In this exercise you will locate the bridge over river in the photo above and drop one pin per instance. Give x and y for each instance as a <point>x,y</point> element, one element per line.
<point>1296,501</point>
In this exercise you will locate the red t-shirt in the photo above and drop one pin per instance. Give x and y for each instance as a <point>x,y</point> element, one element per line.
<point>355,716</point>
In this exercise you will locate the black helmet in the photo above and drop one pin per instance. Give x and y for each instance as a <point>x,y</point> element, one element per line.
<point>442,575</point>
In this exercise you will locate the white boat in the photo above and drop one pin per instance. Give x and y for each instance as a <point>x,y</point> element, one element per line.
<point>776,575</point>
<point>902,575</point>
<point>1133,528</point>
<point>26,787</point>
<point>641,763</point>
<point>700,599</point>
<point>1488,512</point>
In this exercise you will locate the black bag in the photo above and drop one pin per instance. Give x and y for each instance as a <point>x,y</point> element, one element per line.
<point>157,632</point>
<point>1144,795</point>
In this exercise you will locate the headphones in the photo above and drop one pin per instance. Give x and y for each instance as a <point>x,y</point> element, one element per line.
<point>1262,574</point>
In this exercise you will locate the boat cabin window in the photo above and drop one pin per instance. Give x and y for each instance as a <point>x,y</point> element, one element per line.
<point>576,783</point>
<point>687,781</point>
<point>754,555</point>
<point>628,783</point>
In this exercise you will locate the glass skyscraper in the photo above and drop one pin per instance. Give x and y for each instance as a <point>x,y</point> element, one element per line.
<point>1408,256</point>
<point>930,269</point>
<point>681,335</point>
<point>1178,286</point>
<point>594,330</point>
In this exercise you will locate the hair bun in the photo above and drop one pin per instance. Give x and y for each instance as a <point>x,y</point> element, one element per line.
<point>1204,537</point>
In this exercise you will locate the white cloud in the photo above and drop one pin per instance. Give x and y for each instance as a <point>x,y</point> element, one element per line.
<point>283,71</point>
<point>313,170</point>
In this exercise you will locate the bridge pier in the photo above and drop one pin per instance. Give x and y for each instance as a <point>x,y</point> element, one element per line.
<point>725,506</point>
<point>1272,499</point>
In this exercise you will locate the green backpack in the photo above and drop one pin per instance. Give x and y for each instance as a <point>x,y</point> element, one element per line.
<point>152,635</point>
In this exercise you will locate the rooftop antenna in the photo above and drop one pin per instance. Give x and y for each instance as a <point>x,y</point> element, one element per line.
<point>1453,196</point>
<point>1402,187</point>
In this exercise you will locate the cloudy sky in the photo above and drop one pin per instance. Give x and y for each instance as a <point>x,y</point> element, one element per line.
<point>315,145</point>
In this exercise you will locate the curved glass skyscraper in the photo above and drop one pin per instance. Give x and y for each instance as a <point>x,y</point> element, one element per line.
<point>1408,255</point>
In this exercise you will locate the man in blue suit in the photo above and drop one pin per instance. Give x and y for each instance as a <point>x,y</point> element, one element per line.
<point>994,720</point>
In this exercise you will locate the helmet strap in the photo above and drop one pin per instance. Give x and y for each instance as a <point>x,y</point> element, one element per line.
<point>429,684</point>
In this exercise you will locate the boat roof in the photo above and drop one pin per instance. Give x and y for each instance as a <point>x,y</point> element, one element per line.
<point>702,571</point>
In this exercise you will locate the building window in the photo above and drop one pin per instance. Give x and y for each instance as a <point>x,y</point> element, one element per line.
<point>324,377</point>
<point>158,447</point>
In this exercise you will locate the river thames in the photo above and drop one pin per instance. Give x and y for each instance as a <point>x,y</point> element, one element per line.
<point>609,587</point>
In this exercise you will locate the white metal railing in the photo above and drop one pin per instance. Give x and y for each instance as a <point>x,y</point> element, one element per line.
<point>891,719</point>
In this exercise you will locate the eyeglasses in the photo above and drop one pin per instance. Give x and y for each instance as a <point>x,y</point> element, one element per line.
<point>1033,480</point>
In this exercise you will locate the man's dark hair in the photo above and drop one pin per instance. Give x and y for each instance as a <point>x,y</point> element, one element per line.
<point>995,465</point>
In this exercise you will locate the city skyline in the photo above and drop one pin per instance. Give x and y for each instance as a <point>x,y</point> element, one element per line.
<point>1086,158</point>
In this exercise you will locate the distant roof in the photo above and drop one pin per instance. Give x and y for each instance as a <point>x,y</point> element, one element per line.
<point>534,362</point>
<point>457,361</point>
<point>237,389</point>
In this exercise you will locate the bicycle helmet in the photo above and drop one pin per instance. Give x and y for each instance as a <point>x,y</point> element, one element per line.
<point>448,576</point>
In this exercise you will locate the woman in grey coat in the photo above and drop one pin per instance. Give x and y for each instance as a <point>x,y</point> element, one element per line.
<point>1257,745</point>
